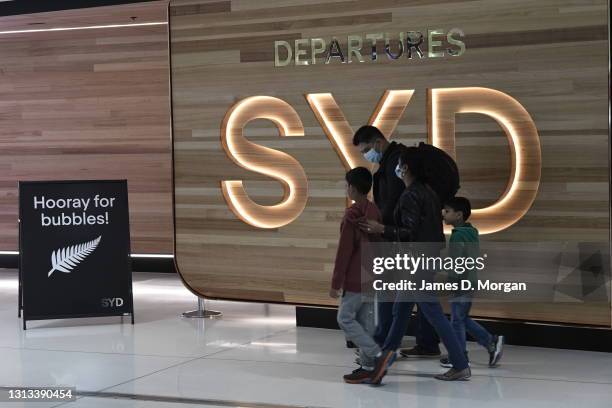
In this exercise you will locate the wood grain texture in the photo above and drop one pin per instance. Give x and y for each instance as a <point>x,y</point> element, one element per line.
<point>550,55</point>
<point>89,104</point>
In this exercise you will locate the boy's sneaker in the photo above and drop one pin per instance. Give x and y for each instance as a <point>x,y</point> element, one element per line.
<point>455,375</point>
<point>496,350</point>
<point>418,352</point>
<point>358,376</point>
<point>380,369</point>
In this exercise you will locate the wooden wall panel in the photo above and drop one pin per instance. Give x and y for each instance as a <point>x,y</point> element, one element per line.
<point>550,55</point>
<point>89,104</point>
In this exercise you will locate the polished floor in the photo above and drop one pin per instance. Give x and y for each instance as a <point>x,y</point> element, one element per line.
<point>254,356</point>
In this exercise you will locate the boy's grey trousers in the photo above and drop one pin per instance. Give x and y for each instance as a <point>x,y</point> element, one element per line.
<point>356,318</point>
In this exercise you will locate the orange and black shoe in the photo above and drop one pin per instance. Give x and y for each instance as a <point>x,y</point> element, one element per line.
<point>358,376</point>
<point>380,369</point>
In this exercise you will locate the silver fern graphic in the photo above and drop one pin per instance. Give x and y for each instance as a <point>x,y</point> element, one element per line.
<point>65,259</point>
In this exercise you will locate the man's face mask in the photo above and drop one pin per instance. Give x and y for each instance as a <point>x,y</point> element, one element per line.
<point>373,156</point>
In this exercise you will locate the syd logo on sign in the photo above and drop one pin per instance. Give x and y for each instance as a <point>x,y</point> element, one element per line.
<point>442,106</point>
<point>112,302</point>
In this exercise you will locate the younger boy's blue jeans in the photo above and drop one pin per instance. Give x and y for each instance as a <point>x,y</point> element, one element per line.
<point>462,323</point>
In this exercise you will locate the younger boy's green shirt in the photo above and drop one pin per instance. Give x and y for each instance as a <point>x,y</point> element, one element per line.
<point>463,243</point>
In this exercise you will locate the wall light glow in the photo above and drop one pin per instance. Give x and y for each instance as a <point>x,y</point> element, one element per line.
<point>263,160</point>
<point>161,256</point>
<point>92,27</point>
<point>523,139</point>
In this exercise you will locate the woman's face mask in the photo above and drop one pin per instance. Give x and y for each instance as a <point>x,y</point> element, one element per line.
<point>398,171</point>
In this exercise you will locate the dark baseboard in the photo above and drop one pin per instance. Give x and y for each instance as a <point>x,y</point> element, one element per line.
<point>12,8</point>
<point>150,264</point>
<point>9,261</point>
<point>516,332</point>
<point>141,263</point>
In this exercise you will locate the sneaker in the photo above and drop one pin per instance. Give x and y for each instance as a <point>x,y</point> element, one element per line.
<point>350,344</point>
<point>496,350</point>
<point>455,375</point>
<point>445,362</point>
<point>358,376</point>
<point>380,369</point>
<point>418,352</point>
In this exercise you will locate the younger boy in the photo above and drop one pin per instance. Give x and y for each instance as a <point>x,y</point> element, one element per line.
<point>355,313</point>
<point>464,242</point>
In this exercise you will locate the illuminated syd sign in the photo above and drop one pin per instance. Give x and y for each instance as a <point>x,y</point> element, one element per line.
<point>442,106</point>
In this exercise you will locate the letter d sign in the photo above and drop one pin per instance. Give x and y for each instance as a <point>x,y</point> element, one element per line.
<point>522,136</point>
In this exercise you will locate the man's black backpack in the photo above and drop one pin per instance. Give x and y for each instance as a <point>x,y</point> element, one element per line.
<point>441,171</point>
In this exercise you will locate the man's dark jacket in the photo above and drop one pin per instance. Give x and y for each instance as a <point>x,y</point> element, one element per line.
<point>387,186</point>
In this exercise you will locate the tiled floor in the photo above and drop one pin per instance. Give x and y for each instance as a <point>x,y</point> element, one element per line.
<point>255,356</point>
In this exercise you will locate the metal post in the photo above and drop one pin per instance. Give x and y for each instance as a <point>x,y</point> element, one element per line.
<point>202,312</point>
